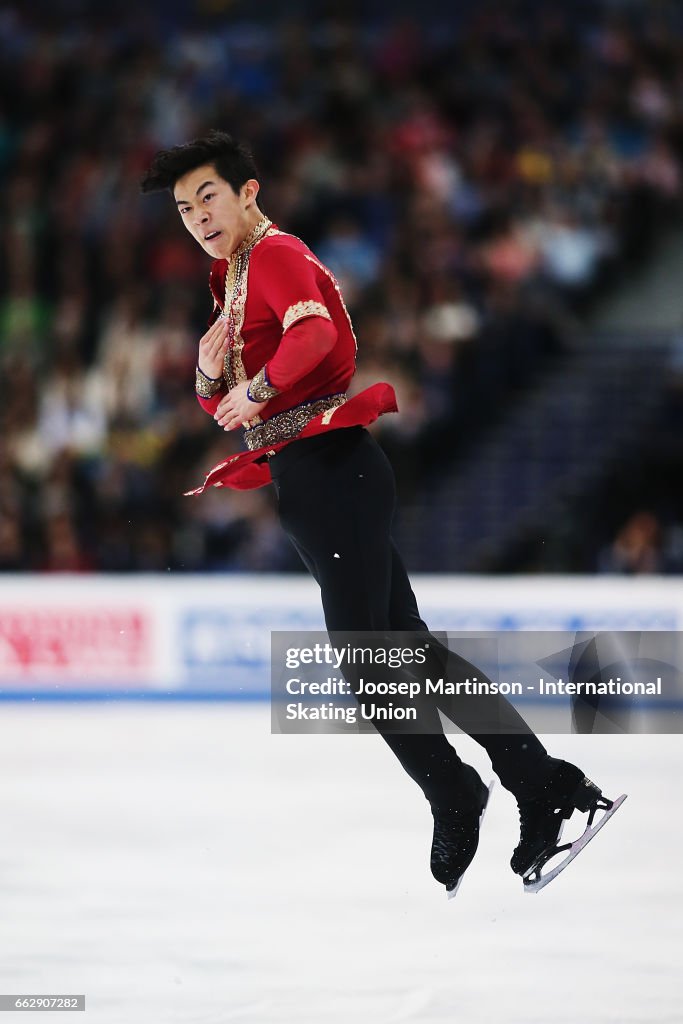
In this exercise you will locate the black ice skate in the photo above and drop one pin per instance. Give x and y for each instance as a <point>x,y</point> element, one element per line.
<point>542,819</point>
<point>456,834</point>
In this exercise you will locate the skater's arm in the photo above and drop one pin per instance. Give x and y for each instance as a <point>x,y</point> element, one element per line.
<point>291,290</point>
<point>302,348</point>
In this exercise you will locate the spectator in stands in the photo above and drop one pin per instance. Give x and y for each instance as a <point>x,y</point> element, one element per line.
<point>637,548</point>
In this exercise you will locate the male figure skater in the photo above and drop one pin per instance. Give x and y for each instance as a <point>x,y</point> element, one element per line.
<point>277,359</point>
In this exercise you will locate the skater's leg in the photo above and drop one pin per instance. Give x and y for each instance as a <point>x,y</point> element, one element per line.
<point>547,790</point>
<point>514,750</point>
<point>336,502</point>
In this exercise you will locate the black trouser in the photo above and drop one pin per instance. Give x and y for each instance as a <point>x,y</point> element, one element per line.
<point>336,500</point>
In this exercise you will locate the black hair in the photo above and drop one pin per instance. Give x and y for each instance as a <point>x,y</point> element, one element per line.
<point>232,160</point>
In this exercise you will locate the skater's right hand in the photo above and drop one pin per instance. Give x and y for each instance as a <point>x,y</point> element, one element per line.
<point>212,349</point>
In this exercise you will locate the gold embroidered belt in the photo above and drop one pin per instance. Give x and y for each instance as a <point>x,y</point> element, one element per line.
<point>287,424</point>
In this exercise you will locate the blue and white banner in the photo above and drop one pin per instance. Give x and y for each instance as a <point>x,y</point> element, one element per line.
<point>194,637</point>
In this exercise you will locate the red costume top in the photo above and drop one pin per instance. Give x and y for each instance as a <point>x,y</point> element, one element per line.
<point>290,334</point>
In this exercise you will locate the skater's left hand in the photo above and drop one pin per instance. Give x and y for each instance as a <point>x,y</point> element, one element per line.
<point>236,409</point>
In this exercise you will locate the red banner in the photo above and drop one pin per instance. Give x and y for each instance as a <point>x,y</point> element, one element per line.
<point>74,643</point>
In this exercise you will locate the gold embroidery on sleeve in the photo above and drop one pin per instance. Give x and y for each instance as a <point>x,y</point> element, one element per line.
<point>259,389</point>
<point>328,273</point>
<point>207,387</point>
<point>303,309</point>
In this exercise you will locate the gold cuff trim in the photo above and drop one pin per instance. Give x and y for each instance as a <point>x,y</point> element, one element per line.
<point>206,387</point>
<point>286,425</point>
<point>302,309</point>
<point>259,389</point>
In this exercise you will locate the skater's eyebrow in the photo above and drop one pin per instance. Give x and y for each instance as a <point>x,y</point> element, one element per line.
<point>183,202</point>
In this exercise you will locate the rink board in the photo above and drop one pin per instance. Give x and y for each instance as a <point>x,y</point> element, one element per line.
<point>196,638</point>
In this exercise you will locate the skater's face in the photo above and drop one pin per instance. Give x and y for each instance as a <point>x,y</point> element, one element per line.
<point>216,216</point>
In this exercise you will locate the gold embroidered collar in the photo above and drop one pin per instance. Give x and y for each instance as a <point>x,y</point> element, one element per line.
<point>254,236</point>
<point>236,265</point>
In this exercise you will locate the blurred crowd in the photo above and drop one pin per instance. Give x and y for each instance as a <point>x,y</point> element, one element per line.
<point>474,182</point>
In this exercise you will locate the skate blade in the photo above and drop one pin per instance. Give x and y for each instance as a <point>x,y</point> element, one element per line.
<point>452,893</point>
<point>532,884</point>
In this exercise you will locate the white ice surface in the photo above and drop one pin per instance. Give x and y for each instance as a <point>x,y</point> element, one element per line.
<point>181,864</point>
